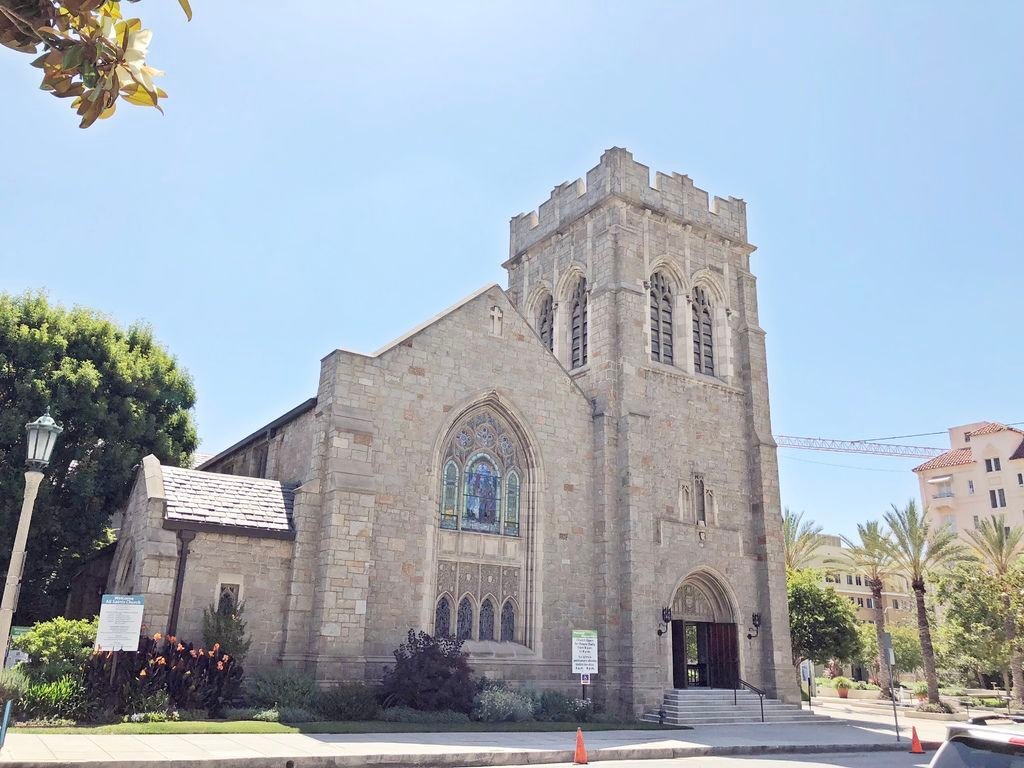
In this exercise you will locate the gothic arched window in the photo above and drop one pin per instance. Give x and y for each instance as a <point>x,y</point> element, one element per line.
<point>482,496</point>
<point>465,625</point>
<point>579,324</point>
<point>703,334</point>
<point>443,618</point>
<point>508,622</point>
<point>450,496</point>
<point>487,620</point>
<point>546,321</point>
<point>661,319</point>
<point>512,505</point>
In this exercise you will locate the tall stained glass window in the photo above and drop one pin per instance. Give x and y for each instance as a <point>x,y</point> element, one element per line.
<point>512,505</point>
<point>443,618</point>
<point>579,324</point>
<point>450,496</point>
<point>546,321</point>
<point>508,622</point>
<point>661,319</point>
<point>487,620</point>
<point>703,334</point>
<point>482,497</point>
<point>465,626</point>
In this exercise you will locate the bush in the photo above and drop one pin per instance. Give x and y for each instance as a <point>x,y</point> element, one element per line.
<point>281,686</point>
<point>152,717</point>
<point>430,673</point>
<point>994,703</point>
<point>13,683</point>
<point>556,707</point>
<point>298,715</point>
<point>267,715</point>
<point>825,682</point>
<point>410,715</point>
<point>940,708</point>
<point>920,688</point>
<point>583,709</point>
<point>224,625</point>
<point>56,648</point>
<point>192,678</point>
<point>502,706</point>
<point>842,682</point>
<point>348,701</point>
<point>241,713</point>
<point>952,690</point>
<point>64,699</point>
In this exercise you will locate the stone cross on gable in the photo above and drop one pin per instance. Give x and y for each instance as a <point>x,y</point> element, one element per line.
<point>496,321</point>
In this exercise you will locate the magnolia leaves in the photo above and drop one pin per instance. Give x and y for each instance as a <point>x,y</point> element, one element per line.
<point>91,54</point>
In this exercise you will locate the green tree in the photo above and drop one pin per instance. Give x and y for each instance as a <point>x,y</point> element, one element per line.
<point>973,626</point>
<point>870,555</point>
<point>822,625</point>
<point>801,540</point>
<point>918,550</point>
<point>906,646</point>
<point>118,394</point>
<point>89,52</point>
<point>998,548</point>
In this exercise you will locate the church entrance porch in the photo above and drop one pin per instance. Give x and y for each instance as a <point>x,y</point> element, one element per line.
<point>705,650</point>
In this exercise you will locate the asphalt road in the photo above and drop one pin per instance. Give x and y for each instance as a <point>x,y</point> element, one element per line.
<point>842,760</point>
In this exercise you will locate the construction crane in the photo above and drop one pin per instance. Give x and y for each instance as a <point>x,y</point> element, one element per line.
<point>857,446</point>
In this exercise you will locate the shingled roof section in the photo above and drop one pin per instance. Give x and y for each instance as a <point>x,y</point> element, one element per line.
<point>952,458</point>
<point>240,505</point>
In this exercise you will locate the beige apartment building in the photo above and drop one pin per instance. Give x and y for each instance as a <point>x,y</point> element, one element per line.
<point>982,474</point>
<point>897,602</point>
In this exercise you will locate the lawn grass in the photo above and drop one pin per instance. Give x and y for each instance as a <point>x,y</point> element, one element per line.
<point>373,726</point>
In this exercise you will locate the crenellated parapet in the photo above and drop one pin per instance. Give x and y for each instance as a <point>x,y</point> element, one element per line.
<point>619,175</point>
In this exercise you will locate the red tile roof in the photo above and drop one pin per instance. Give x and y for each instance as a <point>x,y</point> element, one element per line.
<point>952,458</point>
<point>991,427</point>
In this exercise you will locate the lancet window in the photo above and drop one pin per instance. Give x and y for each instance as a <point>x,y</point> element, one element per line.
<point>546,322</point>
<point>487,620</point>
<point>703,333</point>
<point>661,319</point>
<point>579,324</point>
<point>508,622</point>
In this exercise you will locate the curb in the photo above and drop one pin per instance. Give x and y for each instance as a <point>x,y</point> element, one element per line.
<point>483,759</point>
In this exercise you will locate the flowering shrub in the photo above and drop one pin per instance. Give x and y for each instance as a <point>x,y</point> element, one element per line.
<point>583,709</point>
<point>192,678</point>
<point>496,705</point>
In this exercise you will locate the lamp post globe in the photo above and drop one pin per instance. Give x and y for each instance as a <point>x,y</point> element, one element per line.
<point>42,436</point>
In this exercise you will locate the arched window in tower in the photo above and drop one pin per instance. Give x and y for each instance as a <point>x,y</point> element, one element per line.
<point>579,324</point>
<point>508,622</point>
<point>487,620</point>
<point>465,626</point>
<point>703,334</point>
<point>450,496</point>
<point>482,496</point>
<point>546,321</point>
<point>700,499</point>
<point>443,618</point>
<point>512,505</point>
<point>661,319</point>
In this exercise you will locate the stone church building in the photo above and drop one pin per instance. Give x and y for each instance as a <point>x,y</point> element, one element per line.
<point>588,448</point>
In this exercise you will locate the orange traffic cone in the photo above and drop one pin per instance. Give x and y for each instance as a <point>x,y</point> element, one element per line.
<point>915,743</point>
<point>580,758</point>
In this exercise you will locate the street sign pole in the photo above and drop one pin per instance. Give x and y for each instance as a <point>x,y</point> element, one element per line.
<point>890,657</point>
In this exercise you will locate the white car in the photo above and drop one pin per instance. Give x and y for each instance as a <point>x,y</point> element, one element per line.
<point>988,741</point>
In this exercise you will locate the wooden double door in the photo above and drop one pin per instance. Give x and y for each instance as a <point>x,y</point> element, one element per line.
<point>704,655</point>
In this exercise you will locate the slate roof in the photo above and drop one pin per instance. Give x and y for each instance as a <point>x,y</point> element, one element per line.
<point>238,504</point>
<point>952,458</point>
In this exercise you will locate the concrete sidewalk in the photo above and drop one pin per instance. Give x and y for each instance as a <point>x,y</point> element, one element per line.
<point>443,749</point>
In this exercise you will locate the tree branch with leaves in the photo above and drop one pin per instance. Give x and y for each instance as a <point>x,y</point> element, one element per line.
<point>90,52</point>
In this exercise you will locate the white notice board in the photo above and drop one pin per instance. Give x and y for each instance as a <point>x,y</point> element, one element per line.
<point>584,651</point>
<point>120,623</point>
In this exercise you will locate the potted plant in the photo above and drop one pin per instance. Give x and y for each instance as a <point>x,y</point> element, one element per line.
<point>921,690</point>
<point>843,686</point>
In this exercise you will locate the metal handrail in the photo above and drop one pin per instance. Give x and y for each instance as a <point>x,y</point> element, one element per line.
<point>761,694</point>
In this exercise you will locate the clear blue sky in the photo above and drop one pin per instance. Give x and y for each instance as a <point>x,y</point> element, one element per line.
<point>331,174</point>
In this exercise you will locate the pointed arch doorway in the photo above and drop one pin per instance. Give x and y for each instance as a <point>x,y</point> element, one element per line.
<point>705,648</point>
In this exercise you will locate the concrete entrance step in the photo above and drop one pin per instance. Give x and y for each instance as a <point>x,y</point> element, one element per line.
<point>725,707</point>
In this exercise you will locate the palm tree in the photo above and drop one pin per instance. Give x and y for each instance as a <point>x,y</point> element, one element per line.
<point>917,550</point>
<point>801,540</point>
<point>999,547</point>
<point>870,556</point>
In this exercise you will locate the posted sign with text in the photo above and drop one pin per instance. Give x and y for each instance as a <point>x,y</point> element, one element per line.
<point>584,651</point>
<point>120,623</point>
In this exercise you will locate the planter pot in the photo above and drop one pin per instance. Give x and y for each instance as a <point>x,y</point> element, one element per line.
<point>843,692</point>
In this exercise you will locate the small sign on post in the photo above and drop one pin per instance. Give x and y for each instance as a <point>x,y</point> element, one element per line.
<point>584,656</point>
<point>120,623</point>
